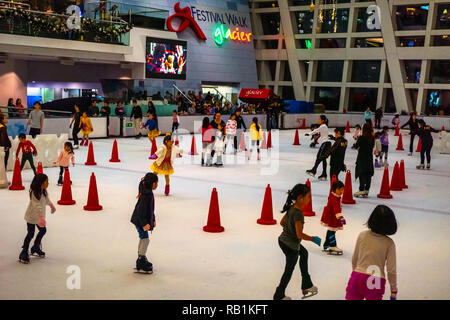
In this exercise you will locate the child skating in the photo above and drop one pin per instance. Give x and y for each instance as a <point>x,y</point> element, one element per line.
<point>325,145</point>
<point>35,217</point>
<point>144,219</point>
<point>424,134</point>
<point>377,150</point>
<point>28,151</point>
<point>255,137</point>
<point>333,219</point>
<point>337,153</point>
<point>165,156</point>
<point>65,157</point>
<point>384,138</point>
<point>86,129</point>
<point>290,242</point>
<point>152,126</point>
<point>207,132</point>
<point>373,251</point>
<point>231,129</point>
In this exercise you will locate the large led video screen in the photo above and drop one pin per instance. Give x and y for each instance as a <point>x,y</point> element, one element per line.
<point>166,59</point>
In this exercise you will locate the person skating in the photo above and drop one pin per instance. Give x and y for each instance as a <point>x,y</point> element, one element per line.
<point>144,219</point>
<point>65,156</point>
<point>4,139</point>
<point>368,116</point>
<point>337,153</point>
<point>377,149</point>
<point>175,121</point>
<point>35,217</point>
<point>86,128</point>
<point>152,128</point>
<point>325,145</point>
<point>207,132</point>
<point>424,134</point>
<point>384,138</point>
<point>240,126</point>
<point>219,127</point>
<point>374,250</point>
<point>413,124</point>
<point>35,120</point>
<point>290,242</point>
<point>256,137</point>
<point>28,151</point>
<point>364,161</point>
<point>378,117</point>
<point>333,219</point>
<point>231,128</point>
<point>163,164</point>
<point>76,118</point>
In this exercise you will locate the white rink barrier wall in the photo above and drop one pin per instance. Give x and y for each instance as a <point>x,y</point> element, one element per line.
<point>48,147</point>
<point>443,144</point>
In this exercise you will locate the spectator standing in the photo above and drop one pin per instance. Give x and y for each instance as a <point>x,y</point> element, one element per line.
<point>368,116</point>
<point>76,125</point>
<point>35,120</point>
<point>20,109</point>
<point>136,113</point>
<point>11,107</point>
<point>93,110</point>
<point>120,112</point>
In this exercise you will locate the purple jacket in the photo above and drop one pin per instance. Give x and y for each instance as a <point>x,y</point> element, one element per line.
<point>384,138</point>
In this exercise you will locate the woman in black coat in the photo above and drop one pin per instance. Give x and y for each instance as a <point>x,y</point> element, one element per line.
<point>364,161</point>
<point>413,123</point>
<point>4,139</point>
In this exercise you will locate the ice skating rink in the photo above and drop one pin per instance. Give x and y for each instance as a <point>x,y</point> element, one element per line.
<point>244,262</point>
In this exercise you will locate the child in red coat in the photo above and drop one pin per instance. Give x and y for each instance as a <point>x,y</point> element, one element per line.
<point>332,218</point>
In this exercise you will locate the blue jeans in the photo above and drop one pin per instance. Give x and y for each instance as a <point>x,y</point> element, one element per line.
<point>142,234</point>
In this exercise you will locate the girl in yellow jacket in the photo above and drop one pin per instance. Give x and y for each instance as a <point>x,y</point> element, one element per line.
<point>256,136</point>
<point>86,128</point>
<point>163,164</point>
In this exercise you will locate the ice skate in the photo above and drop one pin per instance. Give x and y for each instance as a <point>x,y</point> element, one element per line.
<point>143,265</point>
<point>410,154</point>
<point>24,257</point>
<point>335,251</point>
<point>322,178</point>
<point>76,147</point>
<point>377,165</point>
<point>167,190</point>
<point>307,293</point>
<point>311,173</point>
<point>420,167</point>
<point>325,249</point>
<point>203,162</point>
<point>259,156</point>
<point>385,163</point>
<point>36,251</point>
<point>361,194</point>
<point>428,166</point>
<point>286,298</point>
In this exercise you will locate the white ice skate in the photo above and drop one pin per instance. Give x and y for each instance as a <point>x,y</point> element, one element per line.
<point>312,174</point>
<point>361,194</point>
<point>286,298</point>
<point>428,166</point>
<point>420,167</point>
<point>307,293</point>
<point>143,271</point>
<point>335,251</point>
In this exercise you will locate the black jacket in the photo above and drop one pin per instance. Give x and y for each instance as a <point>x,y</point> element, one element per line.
<point>93,111</point>
<point>144,211</point>
<point>425,134</point>
<point>378,113</point>
<point>364,160</point>
<point>216,125</point>
<point>337,152</point>
<point>107,111</point>
<point>413,125</point>
<point>240,122</point>
<point>4,139</point>
<point>136,112</point>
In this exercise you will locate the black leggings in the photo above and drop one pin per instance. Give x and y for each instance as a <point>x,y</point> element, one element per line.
<point>34,132</point>
<point>365,180</point>
<point>252,145</point>
<point>291,261</point>
<point>411,143</point>
<point>6,159</point>
<point>61,173</point>
<point>75,130</point>
<point>323,148</point>
<point>30,235</point>
<point>330,239</point>
<point>426,149</point>
<point>175,126</point>
<point>28,157</point>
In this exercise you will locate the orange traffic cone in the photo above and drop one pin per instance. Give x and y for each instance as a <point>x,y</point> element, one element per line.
<point>213,224</point>
<point>153,151</point>
<point>115,153</point>
<point>92,202</point>
<point>397,130</point>
<point>385,193</point>
<point>267,209</point>
<point>395,181</point>
<point>347,197</point>
<point>296,139</point>
<point>400,143</point>
<point>16,184</point>
<point>66,192</point>
<point>264,141</point>
<point>90,159</point>
<point>242,146</point>
<point>39,169</point>
<point>303,127</point>
<point>347,129</point>
<point>419,146</point>
<point>402,175</point>
<point>307,208</point>
<point>269,140</point>
<point>193,151</point>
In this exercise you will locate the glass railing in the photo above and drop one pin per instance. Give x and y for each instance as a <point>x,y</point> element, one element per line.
<point>22,21</point>
<point>138,15</point>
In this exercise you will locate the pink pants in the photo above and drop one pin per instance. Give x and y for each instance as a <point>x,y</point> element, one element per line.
<point>357,288</point>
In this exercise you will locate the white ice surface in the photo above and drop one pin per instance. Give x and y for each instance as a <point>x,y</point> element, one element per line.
<point>244,262</point>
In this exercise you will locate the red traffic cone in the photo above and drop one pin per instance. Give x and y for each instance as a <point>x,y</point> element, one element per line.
<point>307,208</point>
<point>17,178</point>
<point>397,130</point>
<point>267,209</point>
<point>66,192</point>
<point>213,224</point>
<point>296,139</point>
<point>443,128</point>
<point>177,143</point>
<point>193,151</point>
<point>419,146</point>
<point>347,129</point>
<point>92,202</point>
<point>347,197</point>
<point>153,150</point>
<point>303,127</point>
<point>402,175</point>
<point>115,153</point>
<point>385,193</point>
<point>90,158</point>
<point>39,169</point>
<point>264,141</point>
<point>400,143</point>
<point>333,180</point>
<point>395,181</point>
<point>242,146</point>
<point>269,140</point>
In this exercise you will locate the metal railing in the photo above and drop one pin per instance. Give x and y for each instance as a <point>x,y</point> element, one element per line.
<point>14,113</point>
<point>185,96</point>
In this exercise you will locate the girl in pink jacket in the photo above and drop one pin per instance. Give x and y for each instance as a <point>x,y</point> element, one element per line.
<point>63,160</point>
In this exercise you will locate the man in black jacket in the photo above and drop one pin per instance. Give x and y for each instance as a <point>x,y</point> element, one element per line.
<point>337,153</point>
<point>378,116</point>
<point>136,112</point>
<point>93,110</point>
